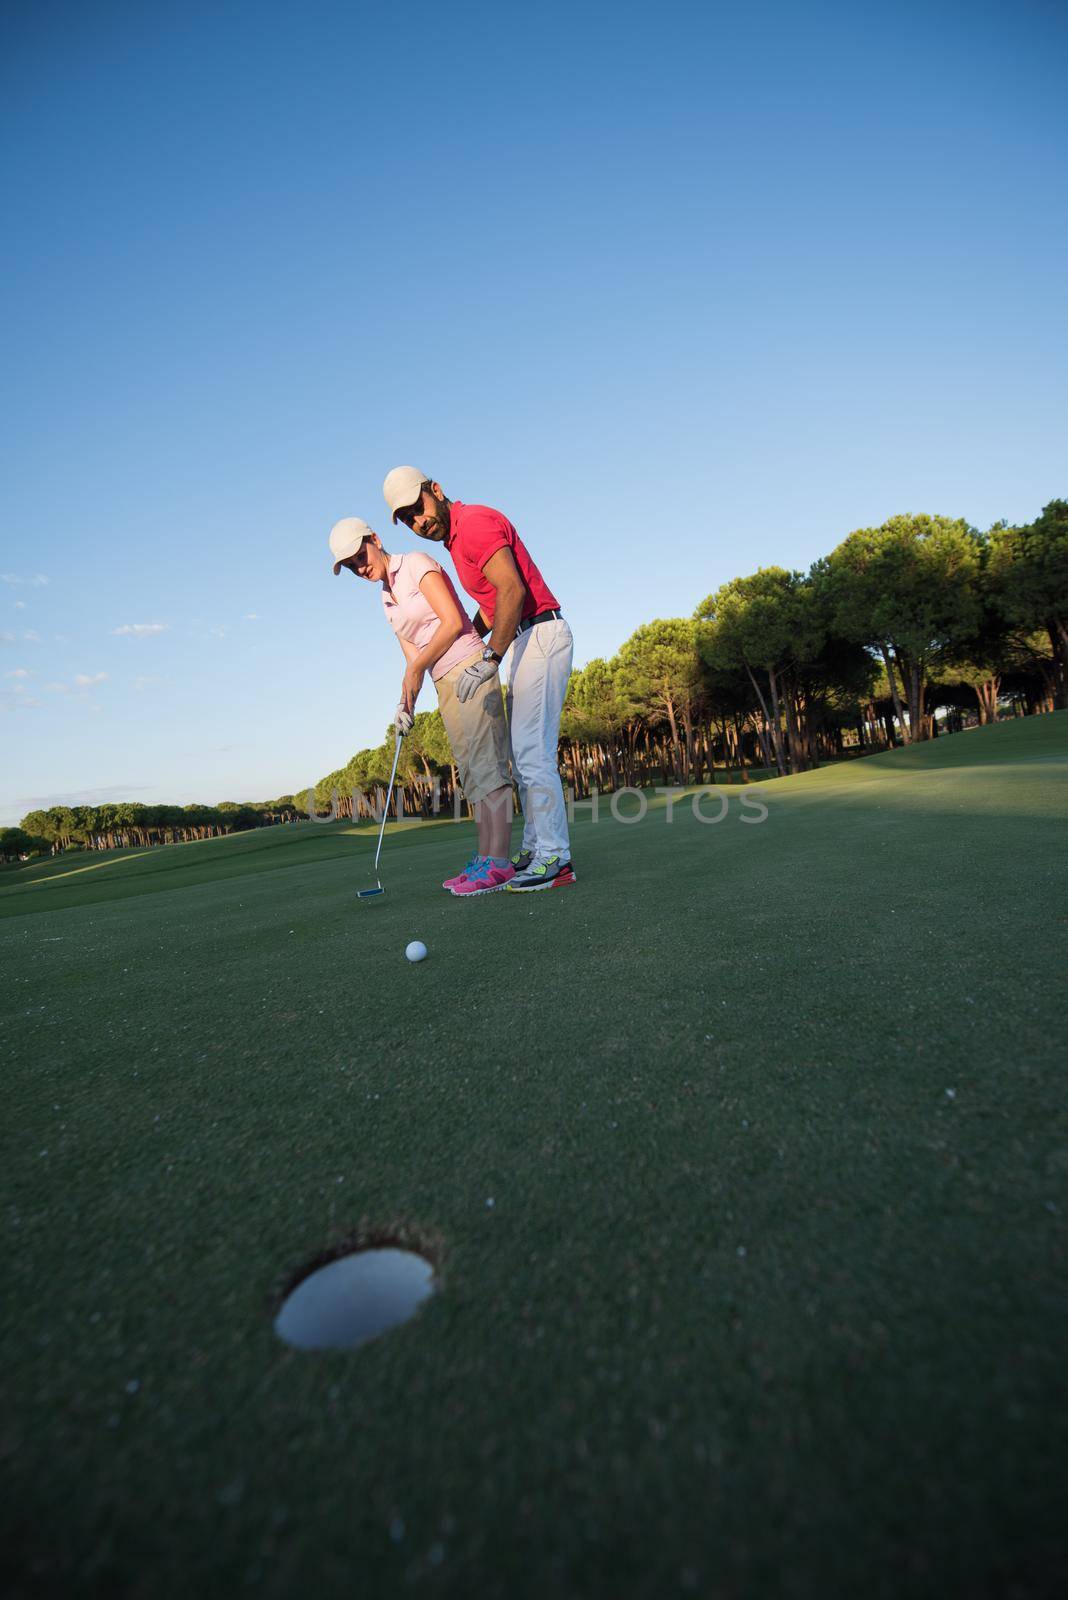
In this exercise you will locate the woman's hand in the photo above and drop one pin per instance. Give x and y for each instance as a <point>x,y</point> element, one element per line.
<point>410,687</point>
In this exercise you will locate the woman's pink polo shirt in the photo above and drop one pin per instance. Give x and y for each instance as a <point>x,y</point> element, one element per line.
<point>412,617</point>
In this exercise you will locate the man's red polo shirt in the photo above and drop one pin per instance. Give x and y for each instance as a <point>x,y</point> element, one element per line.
<point>475,533</point>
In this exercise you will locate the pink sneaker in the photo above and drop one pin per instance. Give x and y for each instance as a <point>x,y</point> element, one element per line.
<point>450,883</point>
<point>484,878</point>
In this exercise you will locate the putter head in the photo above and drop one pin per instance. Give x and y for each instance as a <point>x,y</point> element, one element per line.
<point>369,894</point>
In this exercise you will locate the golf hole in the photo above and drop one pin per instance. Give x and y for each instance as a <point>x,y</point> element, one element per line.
<point>354,1297</point>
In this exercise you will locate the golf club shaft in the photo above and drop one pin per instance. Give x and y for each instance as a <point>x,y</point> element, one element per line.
<point>389,797</point>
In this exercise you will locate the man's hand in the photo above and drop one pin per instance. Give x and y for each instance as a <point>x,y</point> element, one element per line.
<point>402,720</point>
<point>473,677</point>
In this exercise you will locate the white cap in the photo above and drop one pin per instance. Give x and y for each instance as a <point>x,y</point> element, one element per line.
<point>346,538</point>
<point>401,488</point>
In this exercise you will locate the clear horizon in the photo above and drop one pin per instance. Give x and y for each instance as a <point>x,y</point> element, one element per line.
<point>683,292</point>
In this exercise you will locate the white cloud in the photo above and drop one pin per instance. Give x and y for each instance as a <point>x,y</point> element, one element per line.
<point>252,616</point>
<point>220,633</point>
<point>32,636</point>
<point>20,605</point>
<point>35,582</point>
<point>16,699</point>
<point>73,797</point>
<point>7,638</point>
<point>19,672</point>
<point>145,682</point>
<point>141,630</point>
<point>82,682</point>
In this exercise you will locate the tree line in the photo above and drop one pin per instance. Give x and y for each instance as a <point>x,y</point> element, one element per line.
<point>780,670</point>
<point>127,824</point>
<point>771,674</point>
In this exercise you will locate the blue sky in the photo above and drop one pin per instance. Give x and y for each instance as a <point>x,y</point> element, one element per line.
<point>683,289</point>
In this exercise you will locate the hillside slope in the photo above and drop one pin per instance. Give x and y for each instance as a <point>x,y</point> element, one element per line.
<point>920,776</point>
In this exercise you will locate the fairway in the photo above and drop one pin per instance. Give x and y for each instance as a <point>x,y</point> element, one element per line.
<point>743,1163</point>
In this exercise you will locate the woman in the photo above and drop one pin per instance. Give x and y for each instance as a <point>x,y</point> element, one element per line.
<point>437,636</point>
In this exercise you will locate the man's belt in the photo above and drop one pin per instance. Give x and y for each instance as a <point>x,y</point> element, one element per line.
<point>542,616</point>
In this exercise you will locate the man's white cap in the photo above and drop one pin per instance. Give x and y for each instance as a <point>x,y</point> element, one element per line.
<point>346,538</point>
<point>401,488</point>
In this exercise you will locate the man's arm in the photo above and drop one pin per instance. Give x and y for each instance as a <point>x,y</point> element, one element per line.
<point>502,572</point>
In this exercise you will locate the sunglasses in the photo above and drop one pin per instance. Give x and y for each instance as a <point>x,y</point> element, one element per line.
<point>409,513</point>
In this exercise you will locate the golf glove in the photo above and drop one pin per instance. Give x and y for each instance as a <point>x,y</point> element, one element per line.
<point>403,720</point>
<point>473,677</point>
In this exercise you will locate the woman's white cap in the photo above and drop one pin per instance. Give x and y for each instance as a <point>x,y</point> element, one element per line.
<point>346,538</point>
<point>401,488</point>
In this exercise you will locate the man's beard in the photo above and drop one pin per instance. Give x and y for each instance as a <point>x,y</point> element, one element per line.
<point>438,529</point>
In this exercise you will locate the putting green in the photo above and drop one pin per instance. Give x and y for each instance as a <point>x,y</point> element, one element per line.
<point>770,1296</point>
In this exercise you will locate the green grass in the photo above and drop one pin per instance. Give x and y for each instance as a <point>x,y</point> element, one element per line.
<point>770,1300</point>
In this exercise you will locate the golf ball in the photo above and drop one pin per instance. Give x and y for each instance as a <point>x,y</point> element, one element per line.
<point>416,951</point>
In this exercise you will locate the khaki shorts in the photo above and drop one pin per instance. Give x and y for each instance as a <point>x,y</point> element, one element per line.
<point>477,732</point>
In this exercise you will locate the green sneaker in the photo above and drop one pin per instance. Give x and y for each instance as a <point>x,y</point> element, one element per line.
<point>522,859</point>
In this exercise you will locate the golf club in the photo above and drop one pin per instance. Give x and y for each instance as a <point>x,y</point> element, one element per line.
<point>372,894</point>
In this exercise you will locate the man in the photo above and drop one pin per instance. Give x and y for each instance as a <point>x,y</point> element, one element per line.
<point>519,612</point>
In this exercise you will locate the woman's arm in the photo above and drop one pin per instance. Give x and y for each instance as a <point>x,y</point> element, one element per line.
<point>450,626</point>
